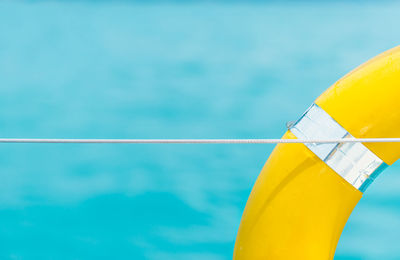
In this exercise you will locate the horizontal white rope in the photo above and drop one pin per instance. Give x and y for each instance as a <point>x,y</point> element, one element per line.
<point>199,141</point>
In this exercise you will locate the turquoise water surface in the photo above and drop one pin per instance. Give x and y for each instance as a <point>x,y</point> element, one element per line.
<point>104,69</point>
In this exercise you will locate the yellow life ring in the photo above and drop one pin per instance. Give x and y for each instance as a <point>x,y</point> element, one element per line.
<point>306,192</point>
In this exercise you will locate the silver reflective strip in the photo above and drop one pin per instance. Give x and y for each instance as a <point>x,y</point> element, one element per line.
<point>353,161</point>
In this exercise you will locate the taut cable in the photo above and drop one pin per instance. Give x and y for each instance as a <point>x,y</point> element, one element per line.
<point>200,141</point>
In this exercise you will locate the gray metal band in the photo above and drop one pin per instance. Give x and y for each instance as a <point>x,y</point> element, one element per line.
<point>353,161</point>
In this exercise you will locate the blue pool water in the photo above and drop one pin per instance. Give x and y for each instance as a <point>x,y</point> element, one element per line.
<point>104,69</point>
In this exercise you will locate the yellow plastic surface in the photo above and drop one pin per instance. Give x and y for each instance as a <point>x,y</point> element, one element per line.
<point>297,209</point>
<point>366,102</point>
<point>299,206</point>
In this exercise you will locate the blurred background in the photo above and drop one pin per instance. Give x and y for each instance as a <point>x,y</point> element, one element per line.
<point>168,69</point>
